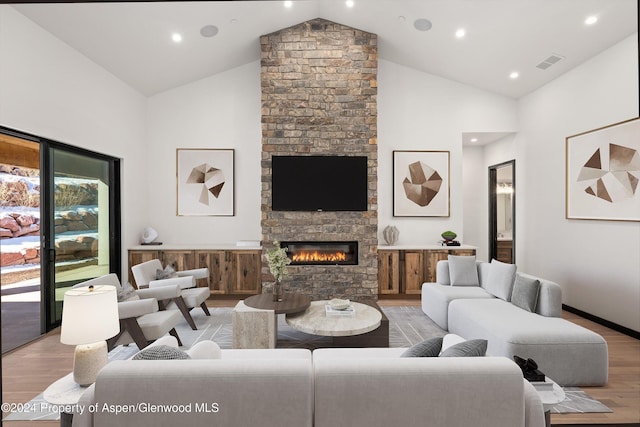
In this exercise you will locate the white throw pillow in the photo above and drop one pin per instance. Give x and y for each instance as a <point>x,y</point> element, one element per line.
<point>205,349</point>
<point>501,279</point>
<point>463,271</point>
<point>450,340</point>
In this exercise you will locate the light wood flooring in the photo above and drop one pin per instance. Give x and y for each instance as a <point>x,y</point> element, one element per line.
<point>28,370</point>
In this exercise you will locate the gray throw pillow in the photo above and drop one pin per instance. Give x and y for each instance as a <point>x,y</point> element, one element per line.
<point>427,348</point>
<point>470,348</point>
<point>463,270</point>
<point>500,279</point>
<point>167,273</point>
<point>127,293</point>
<point>525,293</point>
<point>161,352</point>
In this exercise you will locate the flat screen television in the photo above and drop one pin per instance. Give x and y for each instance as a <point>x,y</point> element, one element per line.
<point>319,183</point>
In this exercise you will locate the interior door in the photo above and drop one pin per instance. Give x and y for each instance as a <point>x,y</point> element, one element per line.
<point>81,202</point>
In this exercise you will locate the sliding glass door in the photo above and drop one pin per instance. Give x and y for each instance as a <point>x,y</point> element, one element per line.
<point>81,203</point>
<point>60,224</point>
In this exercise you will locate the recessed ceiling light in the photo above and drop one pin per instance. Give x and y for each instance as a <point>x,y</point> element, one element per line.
<point>288,3</point>
<point>461,33</point>
<point>422,24</point>
<point>349,3</point>
<point>514,75</point>
<point>176,37</point>
<point>474,140</point>
<point>208,31</point>
<point>591,20</point>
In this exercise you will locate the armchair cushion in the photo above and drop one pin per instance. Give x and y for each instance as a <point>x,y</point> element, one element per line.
<point>198,273</point>
<point>137,308</point>
<point>184,282</point>
<point>160,293</point>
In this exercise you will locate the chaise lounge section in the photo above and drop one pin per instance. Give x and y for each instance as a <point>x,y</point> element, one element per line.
<point>568,353</point>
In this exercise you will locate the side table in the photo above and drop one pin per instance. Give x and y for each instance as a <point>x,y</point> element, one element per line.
<point>65,393</point>
<point>293,302</point>
<point>549,396</point>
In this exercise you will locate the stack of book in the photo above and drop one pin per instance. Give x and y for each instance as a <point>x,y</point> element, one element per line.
<point>350,311</point>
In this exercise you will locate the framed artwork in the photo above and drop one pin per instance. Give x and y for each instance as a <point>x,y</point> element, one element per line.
<point>205,181</point>
<point>420,183</point>
<point>602,173</point>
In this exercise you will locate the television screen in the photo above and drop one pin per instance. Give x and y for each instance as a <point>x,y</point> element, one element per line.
<point>319,183</point>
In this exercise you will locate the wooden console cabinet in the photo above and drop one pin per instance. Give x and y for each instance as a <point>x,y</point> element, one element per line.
<point>402,271</point>
<point>231,271</point>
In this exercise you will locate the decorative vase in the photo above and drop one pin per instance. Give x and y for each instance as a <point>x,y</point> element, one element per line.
<point>278,291</point>
<point>390,234</point>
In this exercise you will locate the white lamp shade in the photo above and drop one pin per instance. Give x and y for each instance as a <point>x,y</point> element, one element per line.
<point>89,315</point>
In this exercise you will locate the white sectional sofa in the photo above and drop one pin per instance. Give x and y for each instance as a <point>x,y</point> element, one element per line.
<point>564,351</point>
<point>327,388</point>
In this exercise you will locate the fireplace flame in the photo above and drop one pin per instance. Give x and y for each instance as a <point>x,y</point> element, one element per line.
<point>315,256</point>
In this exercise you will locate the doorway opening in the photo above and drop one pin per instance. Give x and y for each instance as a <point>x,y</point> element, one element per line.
<point>502,212</point>
<point>60,225</point>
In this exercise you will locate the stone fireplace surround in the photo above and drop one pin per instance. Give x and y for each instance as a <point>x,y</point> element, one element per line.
<point>319,90</point>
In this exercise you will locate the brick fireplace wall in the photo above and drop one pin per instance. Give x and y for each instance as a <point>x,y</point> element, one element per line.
<point>319,90</point>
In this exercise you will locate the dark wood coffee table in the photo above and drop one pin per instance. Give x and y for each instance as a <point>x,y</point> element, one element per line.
<point>291,303</point>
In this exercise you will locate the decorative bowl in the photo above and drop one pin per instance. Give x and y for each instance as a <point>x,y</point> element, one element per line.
<point>449,235</point>
<point>339,304</point>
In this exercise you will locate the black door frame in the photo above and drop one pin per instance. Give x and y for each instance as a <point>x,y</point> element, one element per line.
<point>47,247</point>
<point>493,209</point>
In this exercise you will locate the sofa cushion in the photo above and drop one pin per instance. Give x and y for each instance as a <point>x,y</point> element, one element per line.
<point>161,352</point>
<point>470,348</point>
<point>501,278</point>
<point>525,293</point>
<point>427,348</point>
<point>463,270</point>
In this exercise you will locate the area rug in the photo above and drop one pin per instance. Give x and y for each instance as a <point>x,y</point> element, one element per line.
<point>407,326</point>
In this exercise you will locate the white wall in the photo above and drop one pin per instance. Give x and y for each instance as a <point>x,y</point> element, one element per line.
<point>222,111</point>
<point>418,111</point>
<point>51,90</point>
<point>475,204</point>
<point>595,262</point>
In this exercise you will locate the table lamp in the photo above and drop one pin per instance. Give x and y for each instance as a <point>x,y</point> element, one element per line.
<point>89,317</point>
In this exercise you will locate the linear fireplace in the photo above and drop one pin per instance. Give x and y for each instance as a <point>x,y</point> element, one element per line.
<point>322,252</point>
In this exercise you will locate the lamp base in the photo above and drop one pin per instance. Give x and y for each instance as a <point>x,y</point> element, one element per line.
<point>88,359</point>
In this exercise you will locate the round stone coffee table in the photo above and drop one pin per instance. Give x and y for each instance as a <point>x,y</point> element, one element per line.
<point>315,321</point>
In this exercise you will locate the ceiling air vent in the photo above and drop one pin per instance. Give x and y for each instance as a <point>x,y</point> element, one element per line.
<point>548,62</point>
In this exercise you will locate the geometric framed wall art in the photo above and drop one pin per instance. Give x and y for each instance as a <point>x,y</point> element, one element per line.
<point>603,173</point>
<point>420,183</point>
<point>205,182</point>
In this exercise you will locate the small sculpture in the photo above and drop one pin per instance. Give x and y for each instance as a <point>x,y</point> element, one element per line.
<point>149,235</point>
<point>390,234</point>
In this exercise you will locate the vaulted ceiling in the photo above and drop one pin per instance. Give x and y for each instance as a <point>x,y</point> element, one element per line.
<point>133,40</point>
